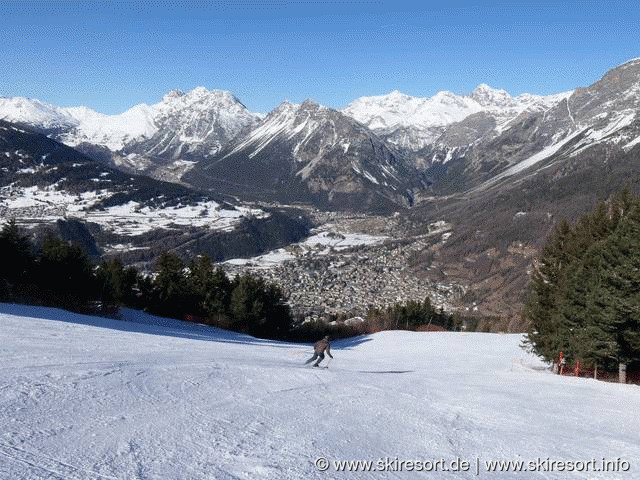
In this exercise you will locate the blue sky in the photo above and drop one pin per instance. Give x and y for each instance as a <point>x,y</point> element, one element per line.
<point>113,55</point>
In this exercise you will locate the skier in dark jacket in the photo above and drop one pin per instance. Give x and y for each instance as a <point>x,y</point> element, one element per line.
<point>318,351</point>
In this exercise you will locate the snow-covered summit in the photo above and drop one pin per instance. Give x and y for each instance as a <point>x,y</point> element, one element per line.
<point>414,121</point>
<point>200,97</point>
<point>194,113</point>
<point>288,119</point>
<point>541,102</point>
<point>111,131</point>
<point>387,112</point>
<point>491,97</point>
<point>35,112</point>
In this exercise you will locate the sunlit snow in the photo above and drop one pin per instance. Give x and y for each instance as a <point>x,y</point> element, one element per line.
<point>321,242</point>
<point>132,218</point>
<point>90,398</point>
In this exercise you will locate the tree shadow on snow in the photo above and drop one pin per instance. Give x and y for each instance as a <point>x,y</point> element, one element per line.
<point>140,322</point>
<point>346,343</point>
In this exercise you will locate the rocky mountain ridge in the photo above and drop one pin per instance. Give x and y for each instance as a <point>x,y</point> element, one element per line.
<point>311,153</point>
<point>150,139</point>
<point>604,114</point>
<point>413,123</point>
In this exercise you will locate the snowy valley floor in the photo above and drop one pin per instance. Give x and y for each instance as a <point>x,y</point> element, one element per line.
<point>84,397</point>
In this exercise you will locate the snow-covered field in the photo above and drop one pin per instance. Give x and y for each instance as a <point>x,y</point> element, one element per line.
<point>131,218</point>
<point>321,242</point>
<point>89,398</point>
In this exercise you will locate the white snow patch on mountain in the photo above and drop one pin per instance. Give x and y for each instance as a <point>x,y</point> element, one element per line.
<point>323,241</point>
<point>619,120</point>
<point>632,143</point>
<point>529,162</point>
<point>131,218</point>
<point>86,397</point>
<point>281,121</point>
<point>536,158</point>
<point>421,120</point>
<point>111,131</point>
<point>32,111</point>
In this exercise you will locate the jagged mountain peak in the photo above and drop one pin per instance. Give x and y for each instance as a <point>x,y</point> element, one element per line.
<point>171,94</point>
<point>483,87</point>
<point>285,107</point>
<point>310,153</point>
<point>145,138</point>
<point>492,97</point>
<point>289,114</point>
<point>312,105</point>
<point>200,97</point>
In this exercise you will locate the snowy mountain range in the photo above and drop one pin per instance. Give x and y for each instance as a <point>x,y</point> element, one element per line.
<point>181,128</point>
<point>49,186</point>
<point>202,122</point>
<point>308,152</point>
<point>414,122</point>
<point>376,147</point>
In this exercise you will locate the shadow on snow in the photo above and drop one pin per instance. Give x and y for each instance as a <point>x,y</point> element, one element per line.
<point>136,321</point>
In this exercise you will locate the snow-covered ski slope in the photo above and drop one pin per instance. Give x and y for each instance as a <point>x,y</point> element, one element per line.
<point>91,398</point>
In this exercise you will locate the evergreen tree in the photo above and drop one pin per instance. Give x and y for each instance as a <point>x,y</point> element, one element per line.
<point>116,283</point>
<point>218,294</point>
<point>546,284</point>
<point>618,297</point>
<point>66,271</point>
<point>16,257</point>
<point>170,287</point>
<point>211,288</point>
<point>585,289</point>
<point>259,309</point>
<point>584,336</point>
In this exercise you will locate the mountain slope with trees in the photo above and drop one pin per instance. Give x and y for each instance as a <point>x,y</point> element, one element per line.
<point>585,291</point>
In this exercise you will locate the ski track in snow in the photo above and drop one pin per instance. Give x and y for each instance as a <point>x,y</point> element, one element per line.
<point>90,398</point>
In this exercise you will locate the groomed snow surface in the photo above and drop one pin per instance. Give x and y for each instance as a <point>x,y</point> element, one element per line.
<point>90,398</point>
